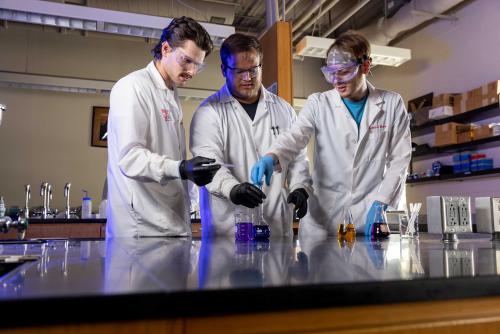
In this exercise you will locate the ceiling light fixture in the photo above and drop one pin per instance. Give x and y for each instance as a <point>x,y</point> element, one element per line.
<point>96,19</point>
<point>311,46</point>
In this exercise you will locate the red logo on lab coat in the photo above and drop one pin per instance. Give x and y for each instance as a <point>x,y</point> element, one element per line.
<point>378,126</point>
<point>166,114</point>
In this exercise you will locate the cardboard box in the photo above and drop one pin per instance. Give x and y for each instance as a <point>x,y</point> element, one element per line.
<point>483,96</point>
<point>474,99</point>
<point>441,112</point>
<point>459,104</point>
<point>447,134</point>
<point>494,88</point>
<point>481,131</point>
<point>464,137</point>
<point>446,99</point>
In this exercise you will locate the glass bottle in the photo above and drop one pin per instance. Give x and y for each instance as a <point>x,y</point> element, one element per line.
<point>350,234</point>
<point>380,228</point>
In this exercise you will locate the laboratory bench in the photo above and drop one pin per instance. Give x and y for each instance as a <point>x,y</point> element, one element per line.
<point>80,228</point>
<point>218,285</point>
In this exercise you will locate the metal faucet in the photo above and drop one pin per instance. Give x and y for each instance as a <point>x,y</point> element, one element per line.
<point>67,211</point>
<point>49,197</point>
<point>44,193</point>
<point>27,197</point>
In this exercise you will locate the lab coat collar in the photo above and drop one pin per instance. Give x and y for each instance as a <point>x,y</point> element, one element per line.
<point>373,107</point>
<point>156,76</point>
<point>262,109</point>
<point>226,96</point>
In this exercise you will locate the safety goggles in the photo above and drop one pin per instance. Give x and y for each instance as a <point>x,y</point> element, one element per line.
<point>340,74</point>
<point>252,71</point>
<point>187,62</point>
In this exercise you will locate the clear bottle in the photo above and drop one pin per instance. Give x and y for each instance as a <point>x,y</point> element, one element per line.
<point>86,206</point>
<point>2,207</point>
<point>380,228</point>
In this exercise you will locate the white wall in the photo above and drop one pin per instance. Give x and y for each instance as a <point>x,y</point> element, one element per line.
<point>45,136</point>
<point>450,57</point>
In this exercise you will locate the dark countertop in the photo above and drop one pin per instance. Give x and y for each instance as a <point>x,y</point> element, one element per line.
<point>173,277</point>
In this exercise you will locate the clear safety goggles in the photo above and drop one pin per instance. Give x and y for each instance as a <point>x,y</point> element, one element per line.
<point>240,72</point>
<point>340,74</point>
<point>187,62</point>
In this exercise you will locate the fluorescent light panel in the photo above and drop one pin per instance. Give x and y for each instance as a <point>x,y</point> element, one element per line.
<point>311,46</point>
<point>96,19</point>
<point>85,86</point>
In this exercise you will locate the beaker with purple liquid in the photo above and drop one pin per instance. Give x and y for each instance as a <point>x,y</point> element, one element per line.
<point>244,225</point>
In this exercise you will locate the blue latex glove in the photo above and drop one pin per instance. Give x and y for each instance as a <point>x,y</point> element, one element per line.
<point>370,217</point>
<point>263,167</point>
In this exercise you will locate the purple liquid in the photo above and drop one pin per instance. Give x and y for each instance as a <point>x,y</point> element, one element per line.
<point>244,231</point>
<point>380,231</point>
<point>261,232</point>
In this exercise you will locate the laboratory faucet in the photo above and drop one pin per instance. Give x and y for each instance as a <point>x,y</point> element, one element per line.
<point>44,193</point>
<point>49,197</point>
<point>3,107</point>
<point>67,211</point>
<point>27,197</point>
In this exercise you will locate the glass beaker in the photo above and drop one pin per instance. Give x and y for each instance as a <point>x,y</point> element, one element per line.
<point>380,228</point>
<point>408,225</point>
<point>244,225</point>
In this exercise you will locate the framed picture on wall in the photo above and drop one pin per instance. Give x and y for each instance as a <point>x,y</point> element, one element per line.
<point>100,126</point>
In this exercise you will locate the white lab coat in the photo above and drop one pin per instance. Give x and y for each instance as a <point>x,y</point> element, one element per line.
<point>221,129</point>
<point>146,143</point>
<point>350,169</point>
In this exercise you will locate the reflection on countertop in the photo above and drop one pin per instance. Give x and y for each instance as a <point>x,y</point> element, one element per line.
<point>219,269</point>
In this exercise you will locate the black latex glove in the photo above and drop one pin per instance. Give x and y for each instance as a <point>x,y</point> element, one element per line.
<point>195,171</point>
<point>246,194</point>
<point>299,198</point>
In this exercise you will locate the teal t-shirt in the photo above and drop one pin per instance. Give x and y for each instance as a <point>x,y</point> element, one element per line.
<point>356,108</point>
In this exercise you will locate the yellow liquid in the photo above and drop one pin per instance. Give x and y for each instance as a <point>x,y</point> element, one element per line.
<point>342,230</point>
<point>350,234</point>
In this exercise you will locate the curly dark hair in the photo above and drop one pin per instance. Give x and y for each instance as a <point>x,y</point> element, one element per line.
<point>181,29</point>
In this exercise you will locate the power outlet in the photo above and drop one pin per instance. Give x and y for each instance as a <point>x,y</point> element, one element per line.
<point>464,214</point>
<point>451,214</point>
<point>448,214</point>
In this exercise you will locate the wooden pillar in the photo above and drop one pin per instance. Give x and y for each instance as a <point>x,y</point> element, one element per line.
<point>277,62</point>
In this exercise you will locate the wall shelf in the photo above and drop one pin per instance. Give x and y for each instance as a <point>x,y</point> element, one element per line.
<point>489,111</point>
<point>456,177</point>
<point>455,147</point>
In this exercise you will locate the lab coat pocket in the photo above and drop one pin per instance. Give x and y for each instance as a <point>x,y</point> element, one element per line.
<point>133,207</point>
<point>376,143</point>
